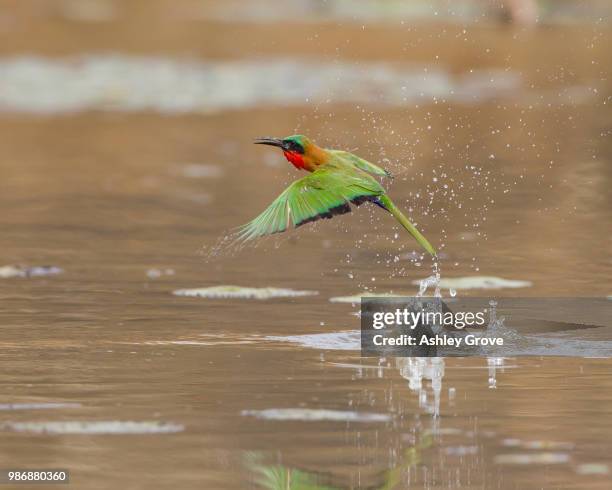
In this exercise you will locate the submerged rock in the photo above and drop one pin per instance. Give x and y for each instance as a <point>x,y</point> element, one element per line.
<point>479,282</point>
<point>94,427</point>
<point>241,292</point>
<point>309,415</point>
<point>9,271</point>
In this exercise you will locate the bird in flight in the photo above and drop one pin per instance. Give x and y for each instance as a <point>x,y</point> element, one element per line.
<point>337,179</point>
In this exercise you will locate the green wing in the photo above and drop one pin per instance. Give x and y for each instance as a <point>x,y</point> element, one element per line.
<point>360,163</point>
<point>322,194</point>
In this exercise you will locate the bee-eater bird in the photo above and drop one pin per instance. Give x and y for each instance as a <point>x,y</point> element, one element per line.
<point>337,178</point>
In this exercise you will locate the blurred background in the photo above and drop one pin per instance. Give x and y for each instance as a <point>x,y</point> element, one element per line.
<point>133,121</point>
<point>126,153</point>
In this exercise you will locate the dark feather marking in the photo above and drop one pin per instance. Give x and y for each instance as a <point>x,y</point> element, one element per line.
<point>359,200</point>
<point>379,204</point>
<point>341,209</point>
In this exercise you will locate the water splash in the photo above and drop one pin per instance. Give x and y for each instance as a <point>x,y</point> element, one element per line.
<point>497,328</point>
<point>494,322</point>
<point>415,369</point>
<point>433,280</point>
<point>493,363</point>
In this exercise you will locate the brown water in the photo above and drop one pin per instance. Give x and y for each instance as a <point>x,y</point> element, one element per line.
<point>111,196</point>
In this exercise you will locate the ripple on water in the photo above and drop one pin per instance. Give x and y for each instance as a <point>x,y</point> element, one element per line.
<point>207,340</point>
<point>562,345</point>
<point>311,415</point>
<point>345,340</point>
<point>242,292</point>
<point>94,427</point>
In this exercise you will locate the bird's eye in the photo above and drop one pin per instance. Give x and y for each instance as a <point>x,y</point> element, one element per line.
<point>294,147</point>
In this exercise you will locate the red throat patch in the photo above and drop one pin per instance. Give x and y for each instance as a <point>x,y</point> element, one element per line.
<point>295,158</point>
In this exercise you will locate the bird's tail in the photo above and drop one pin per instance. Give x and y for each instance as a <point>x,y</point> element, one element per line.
<point>399,216</point>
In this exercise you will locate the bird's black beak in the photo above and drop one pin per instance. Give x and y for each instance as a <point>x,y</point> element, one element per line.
<point>270,141</point>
